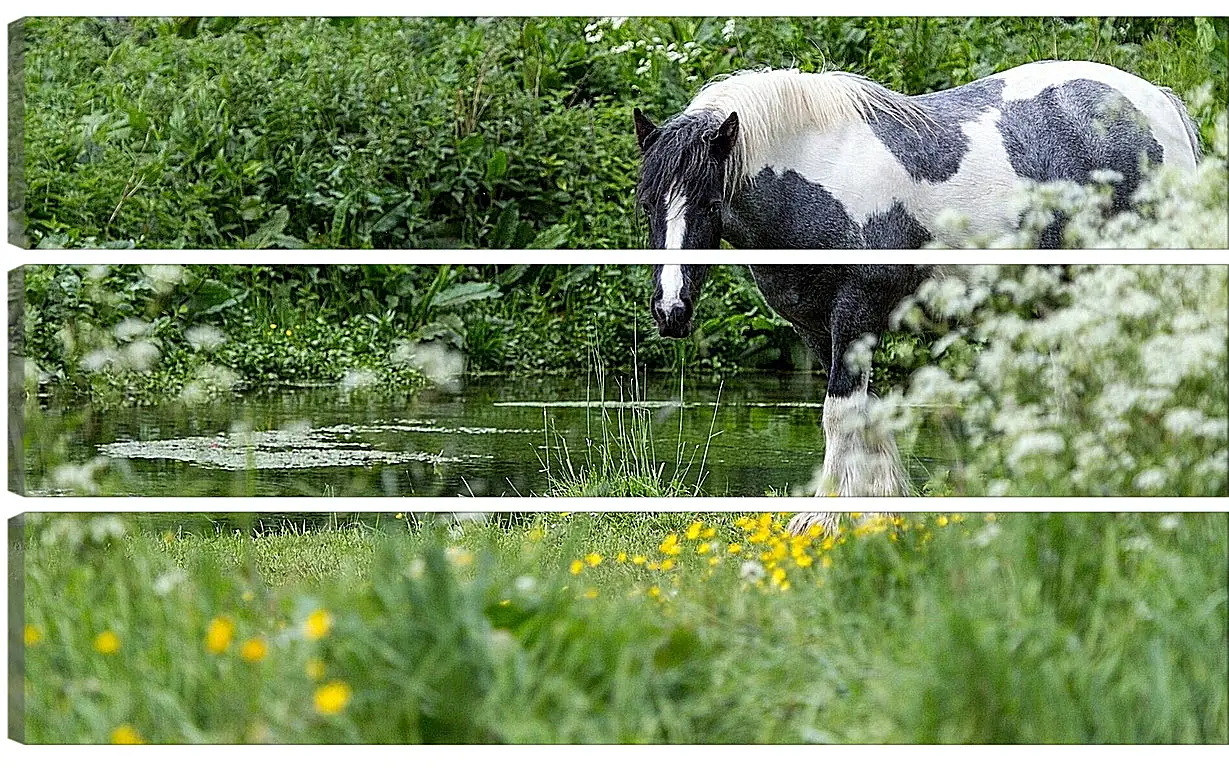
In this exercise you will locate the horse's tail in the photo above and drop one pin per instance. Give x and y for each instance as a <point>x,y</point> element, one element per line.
<point>1192,133</point>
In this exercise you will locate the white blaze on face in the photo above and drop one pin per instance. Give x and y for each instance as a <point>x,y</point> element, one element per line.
<point>676,225</point>
<point>671,286</point>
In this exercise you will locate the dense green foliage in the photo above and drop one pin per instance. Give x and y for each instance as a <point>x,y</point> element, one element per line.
<point>284,324</point>
<point>453,132</point>
<point>1028,628</point>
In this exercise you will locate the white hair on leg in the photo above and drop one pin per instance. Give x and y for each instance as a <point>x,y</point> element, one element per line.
<point>828,523</point>
<point>860,459</point>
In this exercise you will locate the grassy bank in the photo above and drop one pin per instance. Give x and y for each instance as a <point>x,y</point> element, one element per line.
<point>630,628</point>
<point>448,132</point>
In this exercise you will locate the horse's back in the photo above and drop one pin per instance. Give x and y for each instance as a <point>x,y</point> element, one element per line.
<point>1098,100</point>
<point>1042,122</point>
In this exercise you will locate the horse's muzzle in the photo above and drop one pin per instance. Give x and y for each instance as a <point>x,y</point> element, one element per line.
<point>673,322</point>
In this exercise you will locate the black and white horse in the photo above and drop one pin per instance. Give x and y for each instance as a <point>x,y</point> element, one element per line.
<point>785,159</point>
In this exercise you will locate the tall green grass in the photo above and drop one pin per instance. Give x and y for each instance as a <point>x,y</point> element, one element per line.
<point>1067,628</point>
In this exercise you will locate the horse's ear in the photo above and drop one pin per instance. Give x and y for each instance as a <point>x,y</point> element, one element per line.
<point>725,138</point>
<point>644,129</point>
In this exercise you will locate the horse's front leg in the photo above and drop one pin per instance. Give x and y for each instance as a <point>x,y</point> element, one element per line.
<point>860,457</point>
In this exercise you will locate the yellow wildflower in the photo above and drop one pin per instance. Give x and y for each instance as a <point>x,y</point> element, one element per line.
<point>593,559</point>
<point>804,560</point>
<point>577,567</point>
<point>33,636</point>
<point>654,591</point>
<point>693,530</point>
<point>671,545</point>
<point>704,548</point>
<point>621,557</point>
<point>942,521</point>
<point>107,643</point>
<point>639,560</point>
<point>667,564</point>
<point>221,631</point>
<point>318,624</point>
<point>591,593</point>
<point>708,533</point>
<point>332,698</point>
<point>254,649</point>
<point>734,549</point>
<point>126,734</point>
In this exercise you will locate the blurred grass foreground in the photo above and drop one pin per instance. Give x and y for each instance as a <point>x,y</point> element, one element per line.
<point>616,628</point>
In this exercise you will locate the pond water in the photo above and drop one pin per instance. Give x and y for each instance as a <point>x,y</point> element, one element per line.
<point>746,435</point>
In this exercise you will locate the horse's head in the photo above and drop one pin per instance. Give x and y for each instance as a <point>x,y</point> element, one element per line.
<point>683,177</point>
<point>676,289</point>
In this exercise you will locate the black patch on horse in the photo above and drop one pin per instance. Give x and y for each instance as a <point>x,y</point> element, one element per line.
<point>788,211</point>
<point>894,228</point>
<point>1046,141</point>
<point>932,148</point>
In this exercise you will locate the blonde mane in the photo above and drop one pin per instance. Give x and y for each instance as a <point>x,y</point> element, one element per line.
<point>773,104</point>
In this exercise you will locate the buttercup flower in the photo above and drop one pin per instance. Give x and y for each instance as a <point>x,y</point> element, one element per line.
<point>254,650</point>
<point>318,624</point>
<point>219,634</point>
<point>126,734</point>
<point>332,698</point>
<point>107,643</point>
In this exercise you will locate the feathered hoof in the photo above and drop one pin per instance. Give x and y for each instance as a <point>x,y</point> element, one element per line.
<point>825,522</point>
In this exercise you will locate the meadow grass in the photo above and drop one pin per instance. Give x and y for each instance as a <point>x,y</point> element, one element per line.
<point>602,628</point>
